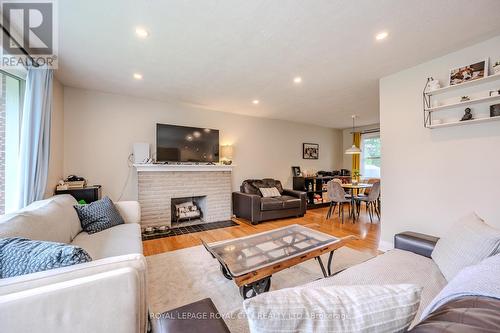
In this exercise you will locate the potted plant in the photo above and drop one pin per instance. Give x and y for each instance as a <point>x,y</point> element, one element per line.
<point>496,68</point>
<point>355,176</point>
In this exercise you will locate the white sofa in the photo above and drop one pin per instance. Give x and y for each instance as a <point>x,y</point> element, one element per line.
<point>107,294</point>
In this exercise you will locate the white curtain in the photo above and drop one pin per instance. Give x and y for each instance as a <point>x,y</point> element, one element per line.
<point>34,148</point>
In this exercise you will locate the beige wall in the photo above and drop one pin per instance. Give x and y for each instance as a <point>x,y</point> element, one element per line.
<point>432,177</point>
<point>56,139</point>
<point>100,129</point>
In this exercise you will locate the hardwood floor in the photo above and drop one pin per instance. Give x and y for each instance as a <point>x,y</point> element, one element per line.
<point>368,233</point>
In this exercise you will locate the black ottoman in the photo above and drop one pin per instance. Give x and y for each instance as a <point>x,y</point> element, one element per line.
<point>197,317</point>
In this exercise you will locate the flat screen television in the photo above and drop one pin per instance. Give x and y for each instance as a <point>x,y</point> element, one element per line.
<point>186,144</point>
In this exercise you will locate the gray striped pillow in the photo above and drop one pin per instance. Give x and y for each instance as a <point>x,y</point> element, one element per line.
<point>364,308</point>
<point>468,242</point>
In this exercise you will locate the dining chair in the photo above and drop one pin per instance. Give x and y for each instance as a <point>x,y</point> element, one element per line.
<point>336,194</point>
<point>370,181</point>
<point>371,201</point>
<point>339,181</point>
<point>367,190</point>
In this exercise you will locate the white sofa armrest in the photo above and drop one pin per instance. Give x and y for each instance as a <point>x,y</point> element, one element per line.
<point>106,295</point>
<point>129,210</point>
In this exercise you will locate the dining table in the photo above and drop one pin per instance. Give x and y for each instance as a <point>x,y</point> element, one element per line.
<point>354,191</point>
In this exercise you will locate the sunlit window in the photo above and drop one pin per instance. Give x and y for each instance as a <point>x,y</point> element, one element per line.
<point>370,156</point>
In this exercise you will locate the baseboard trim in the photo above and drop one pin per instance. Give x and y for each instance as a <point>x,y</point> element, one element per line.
<point>385,246</point>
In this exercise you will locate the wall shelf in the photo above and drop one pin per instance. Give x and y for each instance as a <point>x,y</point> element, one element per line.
<point>459,104</point>
<point>428,111</point>
<point>467,122</point>
<point>467,84</point>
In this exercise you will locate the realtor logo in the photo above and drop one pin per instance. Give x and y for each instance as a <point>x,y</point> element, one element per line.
<point>29,34</point>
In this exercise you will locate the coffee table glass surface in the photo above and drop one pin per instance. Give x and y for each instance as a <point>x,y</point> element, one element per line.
<point>247,254</point>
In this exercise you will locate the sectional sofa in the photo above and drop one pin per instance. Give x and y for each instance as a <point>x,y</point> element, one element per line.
<point>107,294</point>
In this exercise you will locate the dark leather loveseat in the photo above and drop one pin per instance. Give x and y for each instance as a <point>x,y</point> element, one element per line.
<point>249,203</point>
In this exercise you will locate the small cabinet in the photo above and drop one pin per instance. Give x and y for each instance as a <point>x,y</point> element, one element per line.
<point>87,193</point>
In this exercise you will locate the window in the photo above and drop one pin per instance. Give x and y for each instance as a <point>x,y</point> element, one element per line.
<point>370,156</point>
<point>11,98</point>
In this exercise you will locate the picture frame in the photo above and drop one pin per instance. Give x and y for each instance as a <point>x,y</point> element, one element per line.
<point>495,110</point>
<point>296,171</point>
<point>310,151</point>
<point>471,72</point>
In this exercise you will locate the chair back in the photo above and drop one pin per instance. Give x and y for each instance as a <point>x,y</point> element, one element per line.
<point>370,181</point>
<point>374,192</point>
<point>337,180</point>
<point>336,192</point>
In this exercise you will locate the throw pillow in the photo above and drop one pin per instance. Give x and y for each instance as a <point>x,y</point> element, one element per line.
<point>477,280</point>
<point>364,308</point>
<point>268,192</point>
<point>469,241</point>
<point>98,215</point>
<point>19,256</point>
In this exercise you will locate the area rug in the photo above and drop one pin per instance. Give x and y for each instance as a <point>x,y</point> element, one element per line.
<point>184,276</point>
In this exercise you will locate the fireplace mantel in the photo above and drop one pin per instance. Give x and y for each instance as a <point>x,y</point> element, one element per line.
<point>181,167</point>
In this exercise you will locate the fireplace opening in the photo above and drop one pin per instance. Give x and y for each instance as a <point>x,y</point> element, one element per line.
<point>187,210</point>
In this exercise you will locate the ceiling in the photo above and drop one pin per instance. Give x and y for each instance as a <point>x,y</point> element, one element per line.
<point>223,54</point>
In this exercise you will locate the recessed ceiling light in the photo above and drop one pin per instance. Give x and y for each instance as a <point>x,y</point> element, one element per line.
<point>255,101</point>
<point>297,79</point>
<point>137,76</point>
<point>141,32</point>
<point>382,35</point>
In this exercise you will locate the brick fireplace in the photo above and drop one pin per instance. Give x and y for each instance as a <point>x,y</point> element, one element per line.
<point>158,185</point>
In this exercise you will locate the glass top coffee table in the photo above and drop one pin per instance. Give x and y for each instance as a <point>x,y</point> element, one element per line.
<point>251,261</point>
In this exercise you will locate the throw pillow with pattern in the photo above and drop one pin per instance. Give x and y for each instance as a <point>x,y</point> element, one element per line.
<point>98,215</point>
<point>19,256</point>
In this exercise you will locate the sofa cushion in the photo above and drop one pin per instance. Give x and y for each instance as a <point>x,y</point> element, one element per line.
<point>370,308</point>
<point>53,220</point>
<point>118,240</point>
<point>20,256</point>
<point>463,315</point>
<point>289,202</point>
<point>392,267</point>
<point>252,186</point>
<point>469,241</point>
<point>476,280</point>
<point>98,215</point>
<point>270,204</point>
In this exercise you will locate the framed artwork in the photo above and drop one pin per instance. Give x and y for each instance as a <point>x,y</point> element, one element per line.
<point>310,151</point>
<point>470,72</point>
<point>296,171</point>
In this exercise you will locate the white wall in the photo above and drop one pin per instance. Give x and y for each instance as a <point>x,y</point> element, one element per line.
<point>100,128</point>
<point>56,139</point>
<point>347,143</point>
<point>432,177</point>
